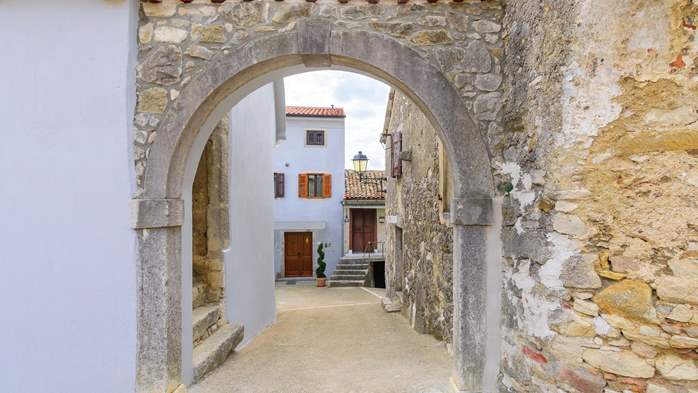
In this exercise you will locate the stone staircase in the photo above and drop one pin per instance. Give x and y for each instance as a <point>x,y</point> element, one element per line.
<point>350,273</point>
<point>214,338</point>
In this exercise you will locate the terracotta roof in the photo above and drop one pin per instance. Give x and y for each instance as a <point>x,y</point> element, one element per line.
<point>355,189</point>
<point>314,111</point>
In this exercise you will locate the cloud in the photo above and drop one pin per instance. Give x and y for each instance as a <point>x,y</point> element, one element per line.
<point>364,99</point>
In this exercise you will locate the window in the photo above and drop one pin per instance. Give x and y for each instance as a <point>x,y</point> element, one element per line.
<point>314,185</point>
<point>315,137</point>
<point>279,185</point>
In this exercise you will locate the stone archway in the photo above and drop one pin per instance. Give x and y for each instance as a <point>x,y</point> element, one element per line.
<point>311,39</point>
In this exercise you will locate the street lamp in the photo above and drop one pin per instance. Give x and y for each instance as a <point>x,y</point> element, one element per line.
<point>360,162</point>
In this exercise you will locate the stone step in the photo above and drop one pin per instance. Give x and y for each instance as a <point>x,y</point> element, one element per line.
<point>213,351</point>
<point>198,293</point>
<point>351,271</point>
<point>205,322</point>
<point>356,261</point>
<point>346,283</point>
<point>350,277</point>
<point>341,266</point>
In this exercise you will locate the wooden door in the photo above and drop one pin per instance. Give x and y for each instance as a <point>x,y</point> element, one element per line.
<point>363,230</point>
<point>298,254</point>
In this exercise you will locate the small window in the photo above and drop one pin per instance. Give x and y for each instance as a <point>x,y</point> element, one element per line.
<point>315,137</point>
<point>279,185</point>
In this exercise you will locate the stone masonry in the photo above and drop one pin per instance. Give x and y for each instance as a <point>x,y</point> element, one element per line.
<point>589,116</point>
<point>600,232</point>
<point>414,206</point>
<point>177,40</point>
<point>210,218</point>
<point>447,54</point>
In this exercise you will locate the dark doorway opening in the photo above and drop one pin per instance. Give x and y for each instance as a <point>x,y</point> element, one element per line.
<point>379,274</point>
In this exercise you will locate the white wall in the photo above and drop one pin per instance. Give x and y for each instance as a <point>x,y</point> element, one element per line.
<point>67,286</point>
<point>249,268</point>
<point>319,159</point>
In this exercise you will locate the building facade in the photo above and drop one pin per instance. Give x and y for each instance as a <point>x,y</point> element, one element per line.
<point>308,190</point>
<point>364,212</point>
<point>419,237</point>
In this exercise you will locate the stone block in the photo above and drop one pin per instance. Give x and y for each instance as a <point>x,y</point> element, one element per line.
<point>581,379</point>
<point>478,58</point>
<point>243,14</point>
<point>145,33</point>
<point>431,37</point>
<point>578,272</point>
<point>678,289</point>
<point>208,33</point>
<point>164,9</point>
<point>629,298</point>
<point>677,368</point>
<point>153,100</point>
<point>623,363</point>
<point>170,34</point>
<point>487,106</point>
<point>162,66</point>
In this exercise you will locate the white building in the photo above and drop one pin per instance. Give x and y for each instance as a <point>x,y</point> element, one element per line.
<point>309,180</point>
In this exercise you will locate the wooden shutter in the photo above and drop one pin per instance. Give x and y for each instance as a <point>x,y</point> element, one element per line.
<point>302,185</point>
<point>326,185</point>
<point>396,162</point>
<point>279,185</point>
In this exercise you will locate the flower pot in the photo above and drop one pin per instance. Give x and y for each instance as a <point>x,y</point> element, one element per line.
<point>321,282</point>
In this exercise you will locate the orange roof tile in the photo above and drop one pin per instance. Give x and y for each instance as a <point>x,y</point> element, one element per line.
<point>314,111</point>
<point>355,189</point>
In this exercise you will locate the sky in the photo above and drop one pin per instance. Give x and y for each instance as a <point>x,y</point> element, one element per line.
<point>364,101</point>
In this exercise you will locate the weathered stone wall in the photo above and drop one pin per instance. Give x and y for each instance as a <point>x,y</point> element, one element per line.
<point>413,199</point>
<point>191,57</point>
<point>600,216</point>
<point>210,218</point>
<point>177,40</point>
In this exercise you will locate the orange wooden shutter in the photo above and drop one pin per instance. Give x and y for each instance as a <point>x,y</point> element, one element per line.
<point>302,185</point>
<point>326,185</point>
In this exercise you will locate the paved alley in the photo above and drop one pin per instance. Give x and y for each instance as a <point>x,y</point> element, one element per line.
<point>335,340</point>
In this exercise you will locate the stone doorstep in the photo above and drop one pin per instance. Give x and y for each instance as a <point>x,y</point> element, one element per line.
<point>202,319</point>
<point>213,351</point>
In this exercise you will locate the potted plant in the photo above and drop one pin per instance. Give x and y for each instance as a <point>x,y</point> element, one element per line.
<point>321,265</point>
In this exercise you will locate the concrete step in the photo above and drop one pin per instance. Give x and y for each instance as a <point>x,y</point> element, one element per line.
<point>355,273</point>
<point>205,322</point>
<point>215,349</point>
<point>346,283</point>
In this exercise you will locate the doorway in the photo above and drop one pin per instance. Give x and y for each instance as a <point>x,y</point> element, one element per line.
<point>298,254</point>
<point>363,230</point>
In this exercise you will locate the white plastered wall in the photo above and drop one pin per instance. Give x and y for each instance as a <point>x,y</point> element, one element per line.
<point>249,263</point>
<point>68,284</point>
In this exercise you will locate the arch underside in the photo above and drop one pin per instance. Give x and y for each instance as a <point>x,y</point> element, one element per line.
<point>230,76</point>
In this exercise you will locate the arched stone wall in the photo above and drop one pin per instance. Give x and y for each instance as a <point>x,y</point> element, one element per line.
<point>181,100</point>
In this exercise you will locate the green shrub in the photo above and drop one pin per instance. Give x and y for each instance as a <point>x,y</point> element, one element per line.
<point>321,265</point>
